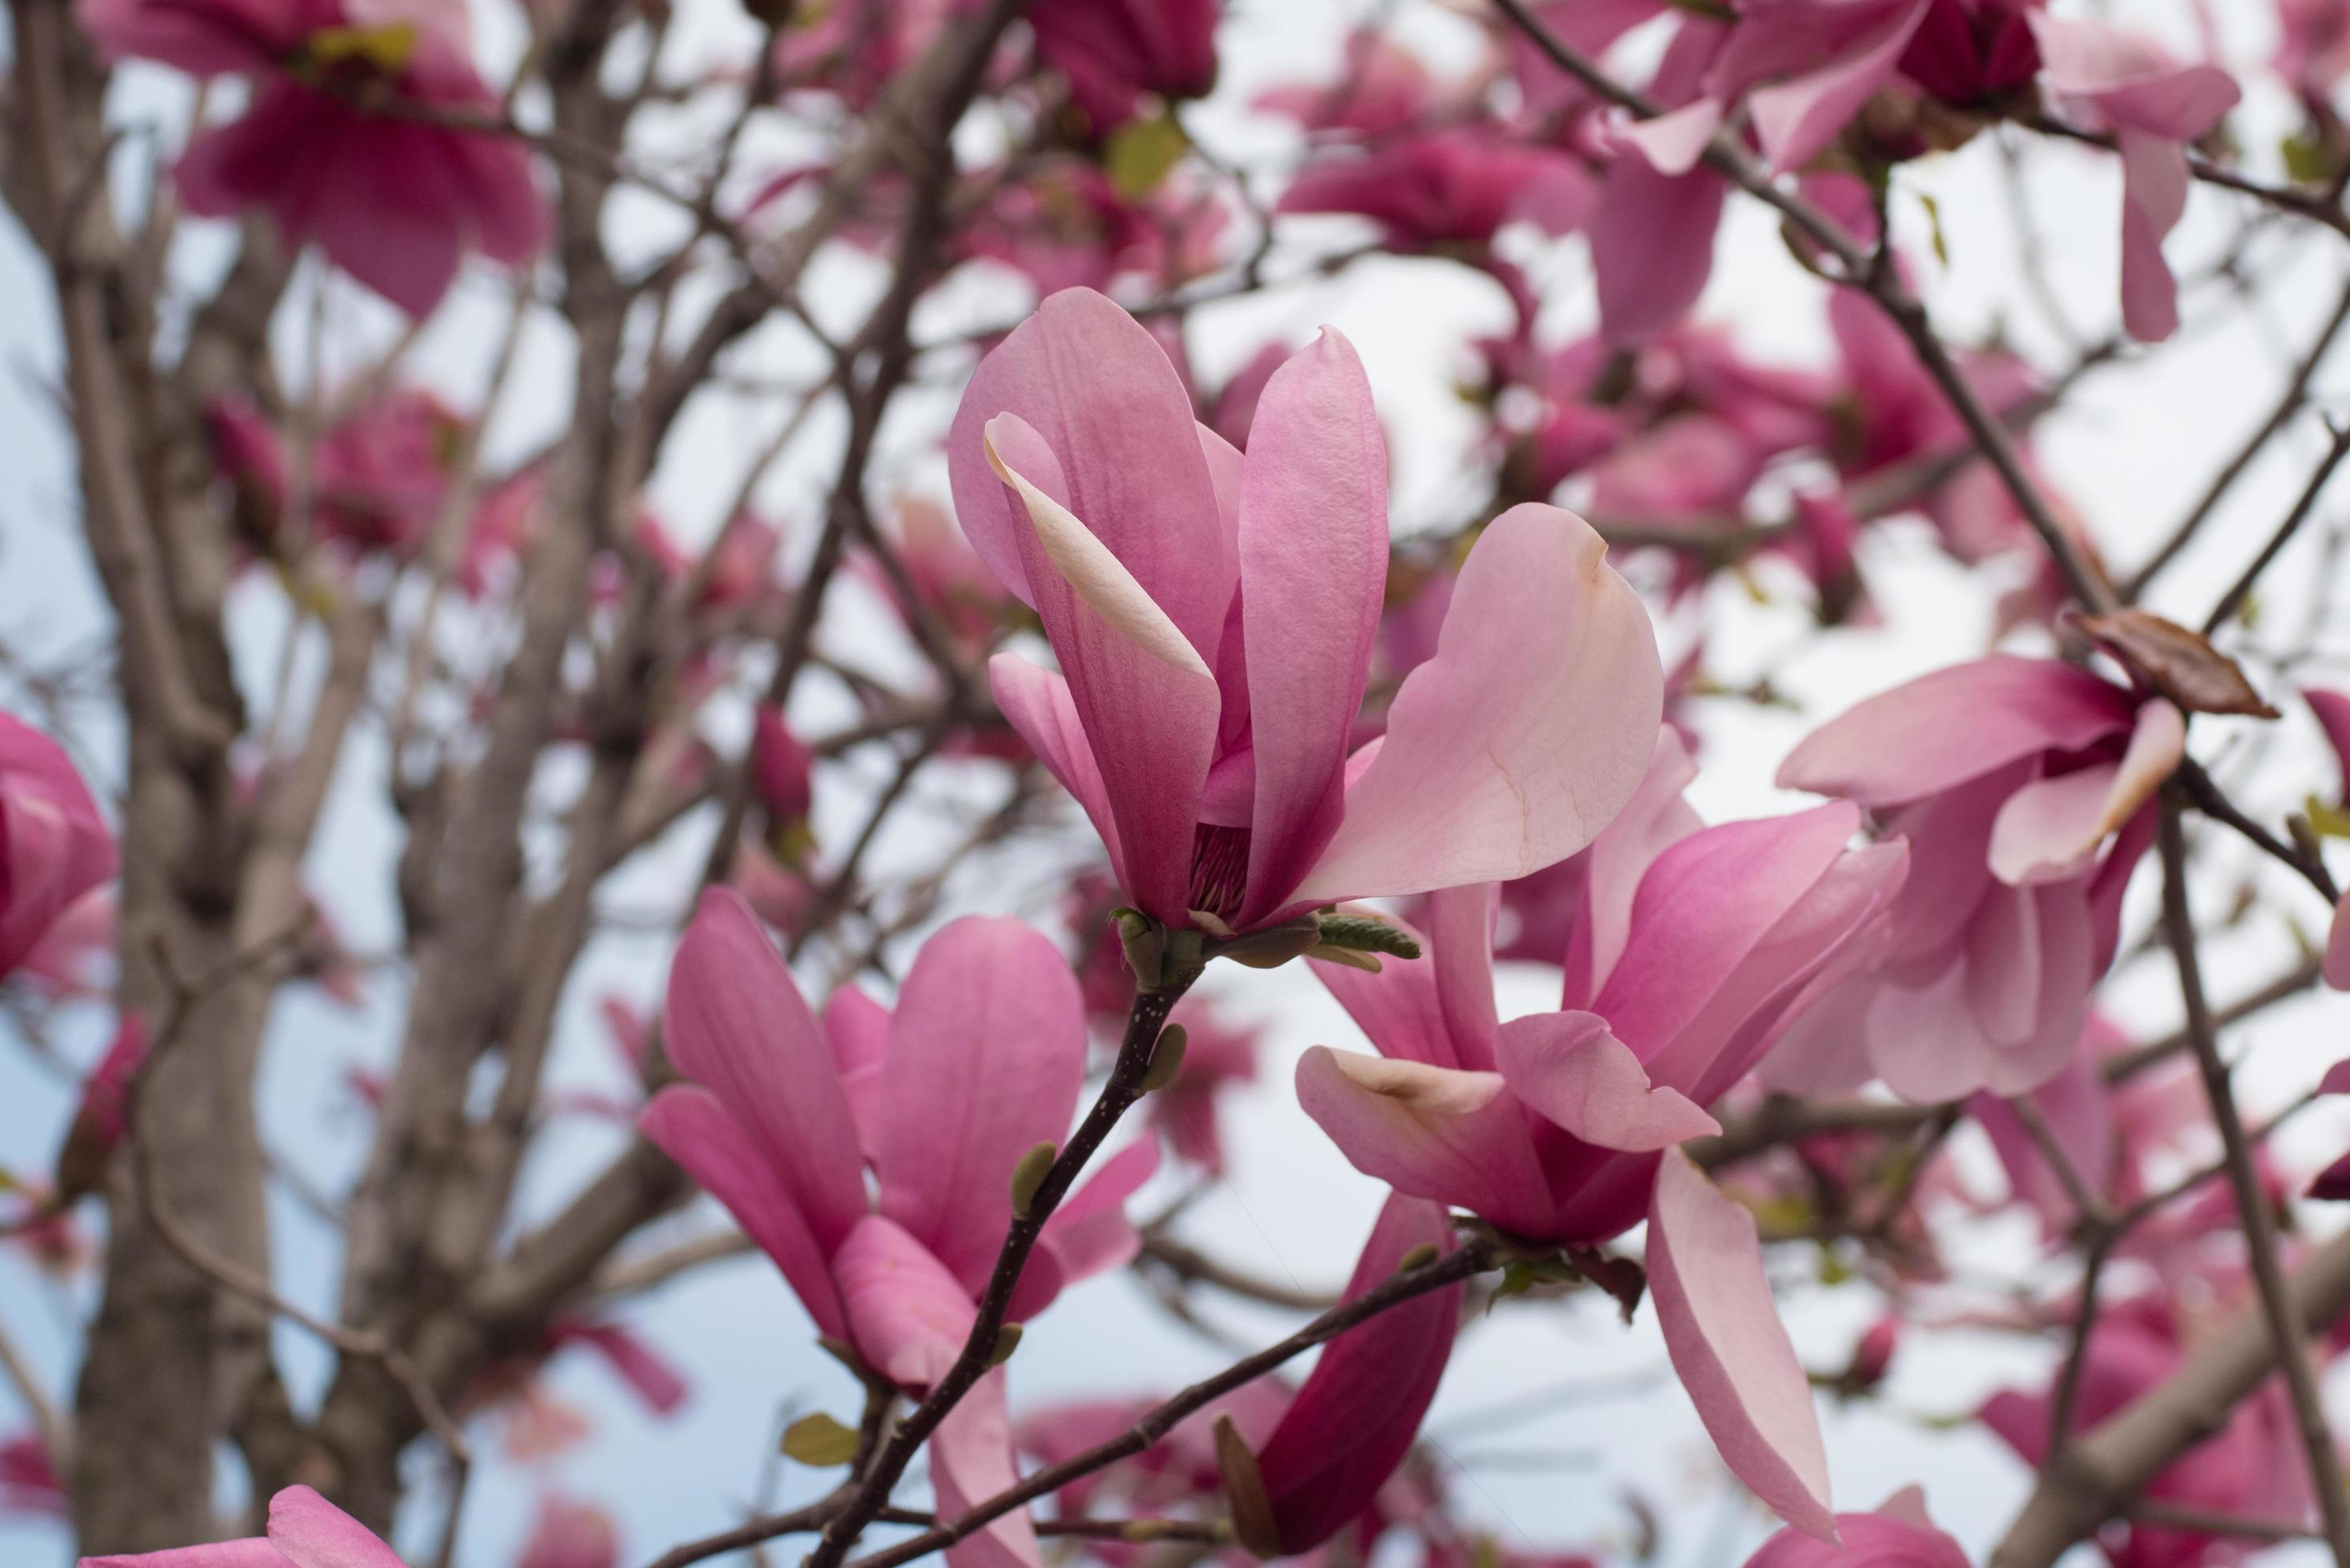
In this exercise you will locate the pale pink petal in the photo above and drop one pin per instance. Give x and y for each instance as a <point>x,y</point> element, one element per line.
<point>253,1552</point>
<point>1955,724</point>
<point>2333,712</point>
<point>1102,395</point>
<point>693,1127</point>
<point>737,1025</point>
<point>314,1533</point>
<point>1529,729</point>
<point>1148,702</point>
<point>907,1313</point>
<point>1568,1068</point>
<point>1460,952</point>
<point>2005,1015</point>
<point>1314,562</point>
<point>1354,1421</point>
<point>986,1058</point>
<point>2049,828</point>
<point>1435,1133</point>
<point>972,1460</point>
<point>1796,119</point>
<point>1036,703</point>
<point>2154,197</point>
<point>1722,1332</point>
<point>1675,142</point>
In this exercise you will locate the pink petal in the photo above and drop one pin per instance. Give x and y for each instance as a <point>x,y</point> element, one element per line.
<point>54,846</point>
<point>2006,1013</point>
<point>1435,1132</point>
<point>1652,240</point>
<point>909,1316</point>
<point>1101,394</point>
<point>1796,119</point>
<point>1148,702</point>
<point>736,1024</point>
<point>1941,730</point>
<point>1438,1009</point>
<point>2049,828</point>
<point>1619,858</point>
<point>1568,1068</point>
<point>1722,1332</point>
<point>1898,1535</point>
<point>1313,563</point>
<point>1674,144</point>
<point>972,1460</point>
<point>314,1533</point>
<point>1528,730</point>
<point>1036,703</point>
<point>2333,712</point>
<point>1089,1234</point>
<point>253,1552</point>
<point>986,1058</point>
<point>2337,947</point>
<point>857,1027</point>
<point>693,1127</point>
<point>2154,197</point>
<point>1353,1420</point>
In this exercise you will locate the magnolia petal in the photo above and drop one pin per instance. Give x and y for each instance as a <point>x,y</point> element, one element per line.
<point>972,1460</point>
<point>314,1533</point>
<point>1941,730</point>
<point>1354,1421</point>
<point>1036,703</point>
<point>693,1127</point>
<point>1652,239</point>
<point>1568,1067</point>
<point>1722,1331</point>
<point>1528,730</point>
<point>985,1060</point>
<point>1313,566</point>
<point>735,1023</point>
<point>1145,698</point>
<point>1435,1132</point>
<point>907,1315</point>
<point>2337,947</point>
<point>1111,408</point>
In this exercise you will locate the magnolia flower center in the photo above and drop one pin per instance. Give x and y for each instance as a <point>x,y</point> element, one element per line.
<point>1220,859</point>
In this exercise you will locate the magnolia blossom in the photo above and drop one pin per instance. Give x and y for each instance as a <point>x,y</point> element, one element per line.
<point>2252,1467</point>
<point>982,1059</point>
<point>2126,84</point>
<point>53,846</point>
<point>1695,947</point>
<point>1450,186</point>
<point>1898,1535</point>
<point>1114,51</point>
<point>306,1531</point>
<point>2023,787</point>
<point>1213,616</point>
<point>1353,1420</point>
<point>393,199</point>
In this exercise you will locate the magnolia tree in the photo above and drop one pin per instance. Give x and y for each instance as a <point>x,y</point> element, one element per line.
<point>765,658</point>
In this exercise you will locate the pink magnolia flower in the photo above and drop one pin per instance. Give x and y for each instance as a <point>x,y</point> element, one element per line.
<point>2009,777</point>
<point>1804,68</point>
<point>1696,947</point>
<point>2252,1467</point>
<point>781,769</point>
<point>982,1059</point>
<point>377,479</point>
<point>394,201</point>
<point>75,956</point>
<point>569,1533</point>
<point>1456,186</point>
<point>1380,89</point>
<point>1898,1535</point>
<point>53,846</point>
<point>30,1482</point>
<point>1213,616</point>
<point>1114,51</point>
<point>1354,1421</point>
<point>305,1531</point>
<point>2127,84</point>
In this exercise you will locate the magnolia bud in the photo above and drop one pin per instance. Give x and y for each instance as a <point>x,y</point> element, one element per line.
<point>1007,1340</point>
<point>1253,1523</point>
<point>1166,1060</point>
<point>1028,1176</point>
